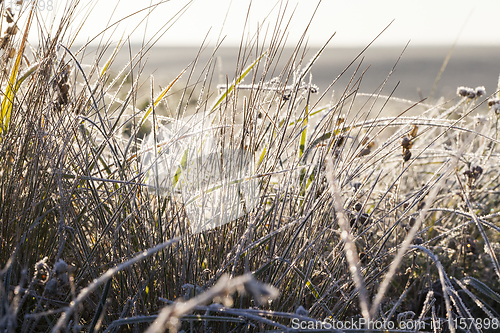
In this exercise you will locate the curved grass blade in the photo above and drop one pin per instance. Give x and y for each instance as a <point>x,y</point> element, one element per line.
<point>100,306</point>
<point>481,287</point>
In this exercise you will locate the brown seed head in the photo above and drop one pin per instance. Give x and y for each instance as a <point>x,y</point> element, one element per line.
<point>418,241</point>
<point>12,30</point>
<point>411,221</point>
<point>462,91</point>
<point>477,171</point>
<point>406,143</point>
<point>414,130</point>
<point>406,155</point>
<point>4,41</point>
<point>9,16</point>
<point>364,152</point>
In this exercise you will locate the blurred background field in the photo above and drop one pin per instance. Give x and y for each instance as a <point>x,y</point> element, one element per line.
<point>416,71</point>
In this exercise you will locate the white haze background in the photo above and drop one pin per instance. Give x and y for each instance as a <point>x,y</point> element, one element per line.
<point>357,22</point>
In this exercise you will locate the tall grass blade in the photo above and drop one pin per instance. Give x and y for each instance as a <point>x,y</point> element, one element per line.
<point>238,80</point>
<point>12,86</point>
<point>160,97</point>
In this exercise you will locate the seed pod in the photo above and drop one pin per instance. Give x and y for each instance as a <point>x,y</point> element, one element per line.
<point>477,171</point>
<point>414,130</point>
<point>493,101</point>
<point>62,85</point>
<point>406,143</point>
<point>313,90</point>
<point>406,155</point>
<point>480,91</point>
<point>468,174</point>
<point>366,141</point>
<point>363,218</point>
<point>471,94</point>
<point>12,30</point>
<point>364,152</point>
<point>9,16</point>
<point>418,241</point>
<point>412,221</point>
<point>339,141</point>
<point>462,91</point>
<point>64,88</point>
<point>4,41</point>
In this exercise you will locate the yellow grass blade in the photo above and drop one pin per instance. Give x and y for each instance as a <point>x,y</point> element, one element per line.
<point>112,57</point>
<point>159,98</point>
<point>240,78</point>
<point>12,87</point>
<point>303,136</point>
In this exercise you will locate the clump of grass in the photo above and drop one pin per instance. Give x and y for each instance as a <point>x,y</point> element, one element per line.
<point>389,218</point>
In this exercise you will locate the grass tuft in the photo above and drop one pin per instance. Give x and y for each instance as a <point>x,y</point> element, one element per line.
<point>307,211</point>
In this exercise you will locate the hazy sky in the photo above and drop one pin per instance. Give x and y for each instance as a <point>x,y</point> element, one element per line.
<point>357,22</point>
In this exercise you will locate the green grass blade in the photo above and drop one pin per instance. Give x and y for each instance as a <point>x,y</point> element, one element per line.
<point>303,136</point>
<point>240,78</point>
<point>112,57</point>
<point>160,97</point>
<point>179,168</point>
<point>261,158</point>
